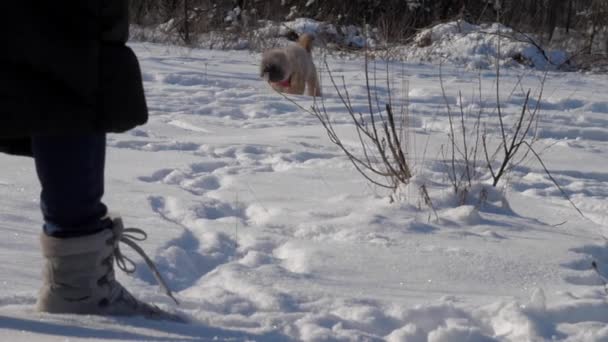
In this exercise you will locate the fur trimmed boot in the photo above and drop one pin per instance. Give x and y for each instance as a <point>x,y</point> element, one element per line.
<point>79,275</point>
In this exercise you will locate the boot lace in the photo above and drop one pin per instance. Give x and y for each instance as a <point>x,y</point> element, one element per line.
<point>130,237</point>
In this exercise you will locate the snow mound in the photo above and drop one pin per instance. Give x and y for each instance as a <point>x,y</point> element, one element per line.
<point>327,33</point>
<point>479,46</point>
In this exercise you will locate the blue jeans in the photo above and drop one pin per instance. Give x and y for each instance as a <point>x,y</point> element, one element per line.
<point>71,174</point>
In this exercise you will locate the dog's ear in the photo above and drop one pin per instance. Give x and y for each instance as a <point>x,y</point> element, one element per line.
<point>306,41</point>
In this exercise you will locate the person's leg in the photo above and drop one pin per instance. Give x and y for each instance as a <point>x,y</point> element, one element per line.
<point>80,242</point>
<point>71,173</point>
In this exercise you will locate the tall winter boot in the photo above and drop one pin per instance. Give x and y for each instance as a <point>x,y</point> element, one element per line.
<point>79,275</point>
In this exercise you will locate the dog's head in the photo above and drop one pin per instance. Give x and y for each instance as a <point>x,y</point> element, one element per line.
<point>306,41</point>
<point>275,67</point>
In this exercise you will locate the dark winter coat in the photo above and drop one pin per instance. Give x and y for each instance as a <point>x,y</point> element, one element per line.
<point>65,69</point>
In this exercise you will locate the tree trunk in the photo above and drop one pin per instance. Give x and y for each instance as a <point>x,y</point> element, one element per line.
<point>569,17</point>
<point>186,23</point>
<point>551,22</point>
<point>592,38</point>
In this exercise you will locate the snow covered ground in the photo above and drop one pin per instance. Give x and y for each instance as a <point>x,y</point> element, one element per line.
<point>267,233</point>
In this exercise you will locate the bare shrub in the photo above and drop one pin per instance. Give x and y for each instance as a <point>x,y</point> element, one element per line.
<point>464,147</point>
<point>381,154</point>
<point>513,145</point>
<point>470,156</point>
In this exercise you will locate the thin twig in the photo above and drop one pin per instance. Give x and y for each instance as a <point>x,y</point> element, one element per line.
<point>540,160</point>
<point>601,276</point>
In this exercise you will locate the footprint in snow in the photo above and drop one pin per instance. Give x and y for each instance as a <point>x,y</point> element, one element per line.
<point>198,178</point>
<point>191,256</point>
<point>591,266</point>
<point>140,145</point>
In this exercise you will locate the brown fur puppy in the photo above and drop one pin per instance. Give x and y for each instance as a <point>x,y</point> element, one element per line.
<point>291,70</point>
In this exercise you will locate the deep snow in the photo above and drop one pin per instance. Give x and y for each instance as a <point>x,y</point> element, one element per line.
<point>266,232</point>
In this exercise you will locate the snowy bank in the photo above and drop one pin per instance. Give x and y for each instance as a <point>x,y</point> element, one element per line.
<point>480,46</point>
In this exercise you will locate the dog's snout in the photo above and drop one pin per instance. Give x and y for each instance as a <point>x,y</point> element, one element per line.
<point>272,73</point>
